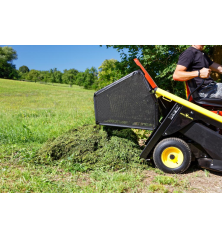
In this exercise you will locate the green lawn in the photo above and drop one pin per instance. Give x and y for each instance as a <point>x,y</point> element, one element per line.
<point>32,113</point>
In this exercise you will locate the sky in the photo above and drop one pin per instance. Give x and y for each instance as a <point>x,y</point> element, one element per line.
<point>46,57</point>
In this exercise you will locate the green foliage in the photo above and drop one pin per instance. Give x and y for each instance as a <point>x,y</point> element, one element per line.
<point>33,75</point>
<point>7,69</point>
<point>56,76</point>
<point>80,78</point>
<point>23,69</point>
<point>69,76</point>
<point>108,73</point>
<point>7,54</point>
<point>87,79</point>
<point>90,78</point>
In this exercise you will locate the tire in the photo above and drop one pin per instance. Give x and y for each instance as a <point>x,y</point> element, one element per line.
<point>172,155</point>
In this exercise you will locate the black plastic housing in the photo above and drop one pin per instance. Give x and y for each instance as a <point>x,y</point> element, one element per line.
<point>128,102</point>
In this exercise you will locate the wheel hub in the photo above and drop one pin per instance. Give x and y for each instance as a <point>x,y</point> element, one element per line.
<point>172,157</point>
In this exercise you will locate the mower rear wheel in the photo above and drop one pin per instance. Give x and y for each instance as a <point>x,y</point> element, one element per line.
<point>172,155</point>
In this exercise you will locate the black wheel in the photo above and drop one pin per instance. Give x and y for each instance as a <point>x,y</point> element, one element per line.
<point>172,155</point>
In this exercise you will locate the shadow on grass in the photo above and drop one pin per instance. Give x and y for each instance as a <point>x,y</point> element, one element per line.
<point>194,167</point>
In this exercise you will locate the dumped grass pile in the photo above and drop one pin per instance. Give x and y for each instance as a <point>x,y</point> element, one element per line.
<point>93,147</point>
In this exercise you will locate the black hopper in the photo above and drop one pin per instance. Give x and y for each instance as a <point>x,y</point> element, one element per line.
<point>128,102</point>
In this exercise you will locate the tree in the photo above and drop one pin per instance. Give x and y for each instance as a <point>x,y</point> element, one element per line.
<point>91,76</point>
<point>7,54</point>
<point>52,75</point>
<point>80,78</point>
<point>33,75</point>
<point>58,76</point>
<point>69,76</point>
<point>23,69</point>
<point>108,73</point>
<point>46,76</point>
<point>7,69</point>
<point>159,60</point>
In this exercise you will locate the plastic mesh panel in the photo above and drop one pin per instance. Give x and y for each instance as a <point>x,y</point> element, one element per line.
<point>127,103</point>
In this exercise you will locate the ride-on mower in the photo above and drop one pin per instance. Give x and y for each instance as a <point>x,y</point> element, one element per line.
<point>183,131</point>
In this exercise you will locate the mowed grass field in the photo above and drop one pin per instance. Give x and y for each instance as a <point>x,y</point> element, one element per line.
<point>32,113</point>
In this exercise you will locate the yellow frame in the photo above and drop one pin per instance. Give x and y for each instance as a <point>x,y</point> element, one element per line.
<point>159,92</point>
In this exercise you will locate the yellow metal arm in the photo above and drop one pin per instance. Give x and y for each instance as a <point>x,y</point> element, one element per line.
<point>160,92</point>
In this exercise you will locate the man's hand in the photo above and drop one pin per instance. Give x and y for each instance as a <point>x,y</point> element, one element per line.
<point>205,73</point>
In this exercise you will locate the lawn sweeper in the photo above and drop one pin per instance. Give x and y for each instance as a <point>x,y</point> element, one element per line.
<point>182,130</point>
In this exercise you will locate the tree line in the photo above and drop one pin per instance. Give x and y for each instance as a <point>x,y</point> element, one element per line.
<point>159,60</point>
<point>89,79</point>
<point>71,77</point>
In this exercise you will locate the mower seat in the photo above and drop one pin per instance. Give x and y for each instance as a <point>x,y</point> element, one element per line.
<point>204,102</point>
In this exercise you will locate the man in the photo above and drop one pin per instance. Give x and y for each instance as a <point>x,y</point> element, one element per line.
<point>195,65</point>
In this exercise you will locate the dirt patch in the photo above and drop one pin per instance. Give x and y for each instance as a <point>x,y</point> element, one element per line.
<point>203,181</point>
<point>195,180</point>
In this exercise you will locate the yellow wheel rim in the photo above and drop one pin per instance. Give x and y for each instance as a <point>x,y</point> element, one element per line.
<point>172,157</point>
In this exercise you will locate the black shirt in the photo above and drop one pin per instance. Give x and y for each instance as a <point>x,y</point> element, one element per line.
<point>194,60</point>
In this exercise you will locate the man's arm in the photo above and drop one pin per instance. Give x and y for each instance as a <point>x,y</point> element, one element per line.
<point>216,67</point>
<point>180,74</point>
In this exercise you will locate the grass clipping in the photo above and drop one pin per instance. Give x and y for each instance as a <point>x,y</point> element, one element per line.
<point>90,147</point>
